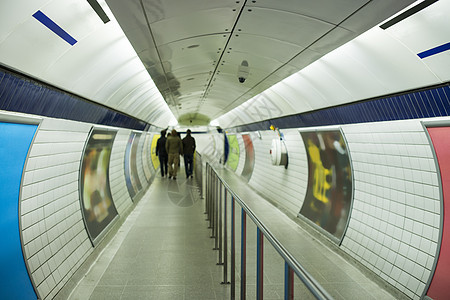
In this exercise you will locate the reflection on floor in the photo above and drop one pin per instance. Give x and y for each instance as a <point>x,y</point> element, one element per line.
<point>162,251</point>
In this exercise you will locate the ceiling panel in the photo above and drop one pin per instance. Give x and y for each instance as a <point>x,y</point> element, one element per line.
<point>194,48</point>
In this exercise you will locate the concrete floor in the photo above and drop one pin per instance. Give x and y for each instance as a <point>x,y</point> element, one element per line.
<point>164,251</point>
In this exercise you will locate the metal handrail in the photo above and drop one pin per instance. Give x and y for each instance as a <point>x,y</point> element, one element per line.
<point>313,286</point>
<point>198,170</point>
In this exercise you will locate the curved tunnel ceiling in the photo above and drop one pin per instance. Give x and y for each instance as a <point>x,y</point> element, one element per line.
<point>193,49</point>
<point>178,60</point>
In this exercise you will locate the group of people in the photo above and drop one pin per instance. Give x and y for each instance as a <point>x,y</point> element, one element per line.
<point>169,150</point>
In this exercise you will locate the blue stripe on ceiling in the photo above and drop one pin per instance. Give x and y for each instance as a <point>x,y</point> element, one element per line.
<point>434,50</point>
<point>41,17</point>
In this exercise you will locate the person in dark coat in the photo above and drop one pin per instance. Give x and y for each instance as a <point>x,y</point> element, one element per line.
<point>161,153</point>
<point>188,152</point>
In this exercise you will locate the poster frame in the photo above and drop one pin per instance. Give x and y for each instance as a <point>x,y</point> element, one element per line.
<point>95,241</point>
<point>333,238</point>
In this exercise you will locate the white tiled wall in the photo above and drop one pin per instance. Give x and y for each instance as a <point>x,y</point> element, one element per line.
<point>55,239</point>
<point>395,220</point>
<point>286,187</point>
<point>118,186</point>
<point>54,236</point>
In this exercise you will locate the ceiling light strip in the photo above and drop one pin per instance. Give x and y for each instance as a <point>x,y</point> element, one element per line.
<point>407,13</point>
<point>99,10</point>
<point>221,56</point>
<point>47,22</point>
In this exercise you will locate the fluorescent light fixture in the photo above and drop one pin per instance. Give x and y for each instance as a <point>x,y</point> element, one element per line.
<point>99,10</point>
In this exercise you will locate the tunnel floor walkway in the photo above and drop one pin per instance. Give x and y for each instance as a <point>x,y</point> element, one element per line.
<point>162,251</point>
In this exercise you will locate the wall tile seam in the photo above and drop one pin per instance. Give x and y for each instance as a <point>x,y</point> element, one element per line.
<point>31,254</point>
<point>55,177</point>
<point>394,240</point>
<point>283,198</point>
<point>54,213</point>
<point>367,258</point>
<point>59,140</point>
<point>285,191</point>
<point>280,178</point>
<point>35,152</point>
<point>383,155</point>
<point>60,165</point>
<point>67,198</point>
<point>364,216</point>
<point>364,190</point>
<point>61,251</point>
<point>267,165</point>
<point>63,280</point>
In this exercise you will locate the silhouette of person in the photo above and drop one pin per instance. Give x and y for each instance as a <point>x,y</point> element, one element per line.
<point>188,151</point>
<point>174,147</point>
<point>161,153</point>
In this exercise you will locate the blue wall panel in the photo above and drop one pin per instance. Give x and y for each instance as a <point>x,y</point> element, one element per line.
<point>425,103</point>
<point>15,140</point>
<point>20,94</point>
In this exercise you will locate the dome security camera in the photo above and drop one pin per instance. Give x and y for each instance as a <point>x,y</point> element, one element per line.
<point>243,71</point>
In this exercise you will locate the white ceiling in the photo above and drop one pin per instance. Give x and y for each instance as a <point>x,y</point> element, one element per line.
<point>376,63</point>
<point>192,49</point>
<point>168,60</point>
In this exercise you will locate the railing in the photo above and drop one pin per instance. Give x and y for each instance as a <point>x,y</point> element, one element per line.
<point>198,171</point>
<point>216,208</point>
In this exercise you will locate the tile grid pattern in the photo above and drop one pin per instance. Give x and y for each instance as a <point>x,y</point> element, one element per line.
<point>395,220</point>
<point>54,237</point>
<point>286,187</point>
<point>140,162</point>
<point>118,186</point>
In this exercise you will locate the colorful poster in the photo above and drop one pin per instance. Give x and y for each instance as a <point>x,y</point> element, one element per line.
<point>15,140</point>
<point>131,174</point>
<point>439,287</point>
<point>98,207</point>
<point>233,155</point>
<point>155,159</point>
<point>249,157</point>
<point>146,157</point>
<point>329,193</point>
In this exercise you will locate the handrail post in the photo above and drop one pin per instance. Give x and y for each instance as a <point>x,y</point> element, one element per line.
<point>233,251</point>
<point>225,240</point>
<point>206,191</point>
<point>259,264</point>
<point>288,282</point>
<point>216,213</point>
<point>220,227</point>
<point>243,255</point>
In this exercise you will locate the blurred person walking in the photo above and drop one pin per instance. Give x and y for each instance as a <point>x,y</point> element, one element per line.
<point>188,152</point>
<point>174,147</point>
<point>161,153</point>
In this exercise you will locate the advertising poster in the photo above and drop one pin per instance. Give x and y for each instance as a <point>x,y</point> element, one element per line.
<point>329,193</point>
<point>131,174</point>
<point>233,155</point>
<point>15,140</point>
<point>439,287</point>
<point>98,207</point>
<point>146,156</point>
<point>155,159</point>
<point>249,157</point>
